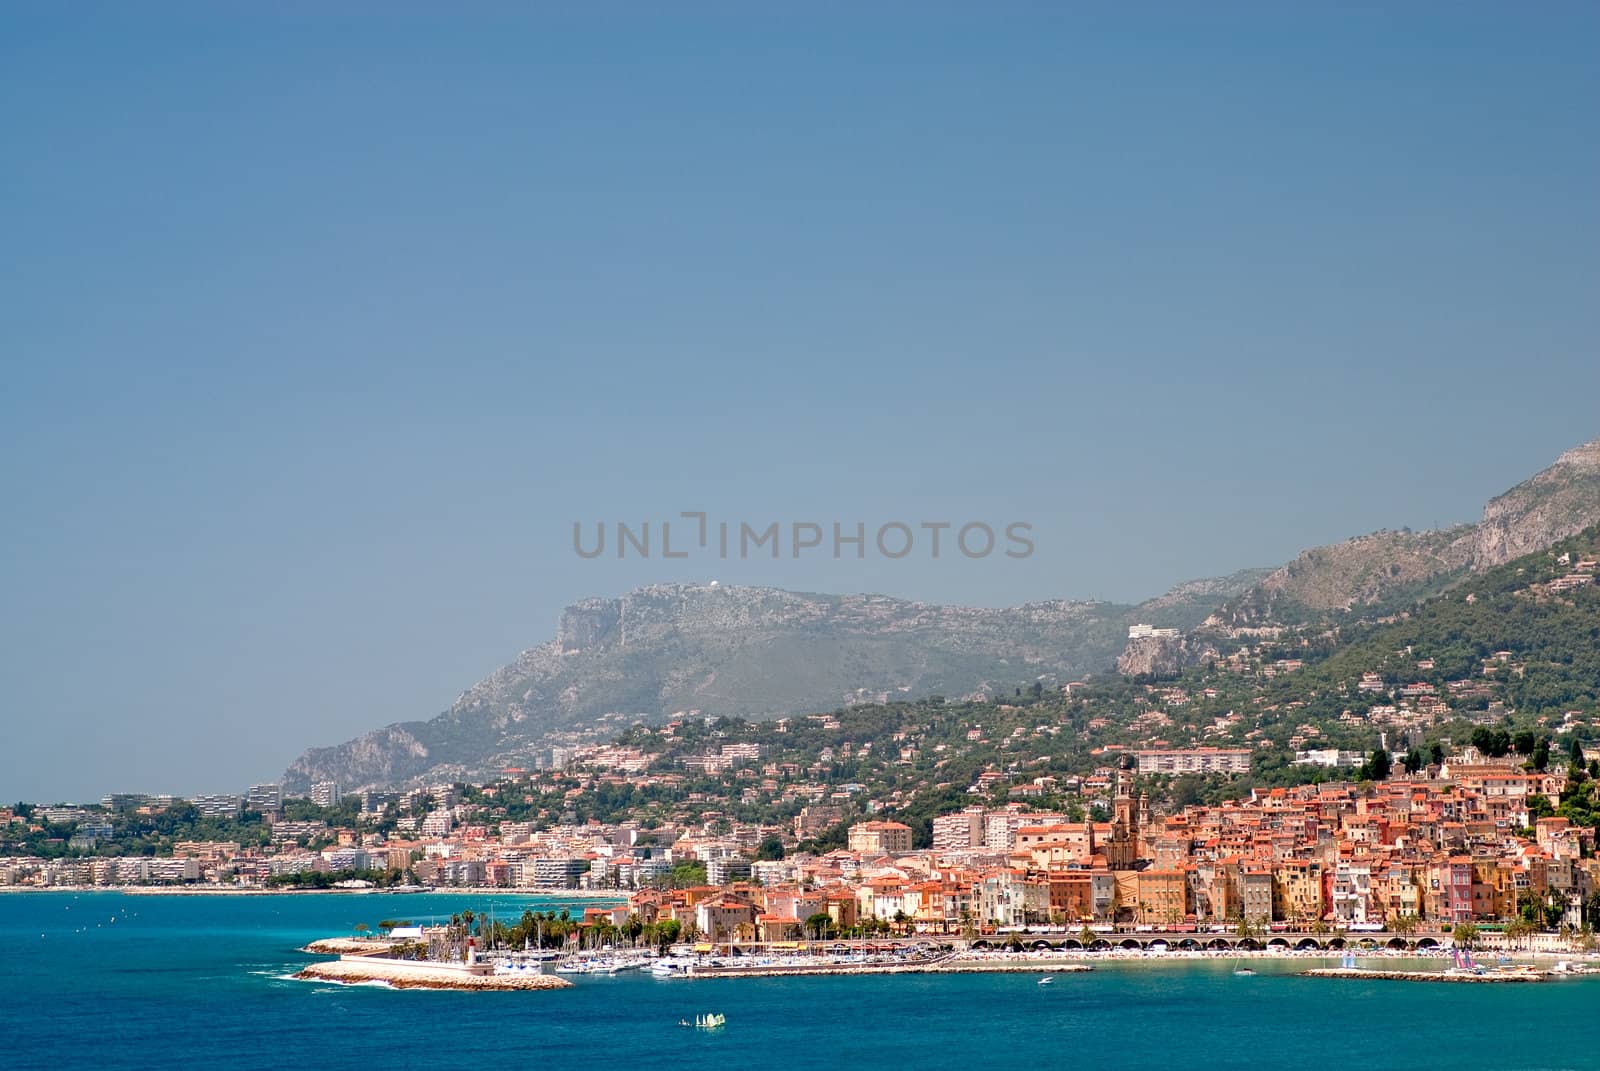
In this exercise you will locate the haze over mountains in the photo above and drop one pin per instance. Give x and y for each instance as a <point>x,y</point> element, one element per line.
<point>756,651</point>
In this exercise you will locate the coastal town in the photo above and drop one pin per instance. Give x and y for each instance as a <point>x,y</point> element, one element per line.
<point>1397,779</point>
<point>1455,846</point>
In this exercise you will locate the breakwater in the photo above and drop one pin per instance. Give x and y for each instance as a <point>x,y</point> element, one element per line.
<point>1423,976</point>
<point>404,974</point>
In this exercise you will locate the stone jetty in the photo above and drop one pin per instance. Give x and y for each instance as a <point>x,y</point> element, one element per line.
<point>1423,976</point>
<point>412,974</point>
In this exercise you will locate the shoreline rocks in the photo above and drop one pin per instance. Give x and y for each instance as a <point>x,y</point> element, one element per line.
<point>345,946</point>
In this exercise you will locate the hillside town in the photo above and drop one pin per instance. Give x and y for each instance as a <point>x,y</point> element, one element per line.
<point>1461,842</point>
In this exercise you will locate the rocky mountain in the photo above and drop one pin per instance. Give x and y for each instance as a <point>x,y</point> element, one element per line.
<point>1557,503</point>
<point>1394,568</point>
<point>762,652</point>
<point>750,651</point>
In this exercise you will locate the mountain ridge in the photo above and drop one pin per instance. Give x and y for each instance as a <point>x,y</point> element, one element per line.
<point>1394,567</point>
<point>725,649</point>
<point>763,652</point>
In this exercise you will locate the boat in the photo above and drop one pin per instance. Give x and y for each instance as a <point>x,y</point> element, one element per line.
<point>1243,972</point>
<point>1046,980</point>
<point>672,967</point>
<point>710,1021</point>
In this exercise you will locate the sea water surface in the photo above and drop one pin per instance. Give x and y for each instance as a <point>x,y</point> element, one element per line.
<point>204,981</point>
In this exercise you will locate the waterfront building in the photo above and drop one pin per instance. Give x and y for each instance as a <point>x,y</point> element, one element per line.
<point>559,873</point>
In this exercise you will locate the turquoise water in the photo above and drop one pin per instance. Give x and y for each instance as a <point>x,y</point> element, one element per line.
<point>200,980</point>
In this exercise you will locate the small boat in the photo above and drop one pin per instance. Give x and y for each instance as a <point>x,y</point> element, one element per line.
<point>1243,972</point>
<point>710,1021</point>
<point>1046,980</point>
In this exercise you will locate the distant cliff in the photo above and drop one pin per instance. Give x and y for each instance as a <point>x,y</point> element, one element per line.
<point>1400,567</point>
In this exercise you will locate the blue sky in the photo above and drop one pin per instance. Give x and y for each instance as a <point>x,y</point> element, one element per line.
<point>321,327</point>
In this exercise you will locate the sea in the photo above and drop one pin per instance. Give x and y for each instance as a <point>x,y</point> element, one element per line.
<point>107,980</point>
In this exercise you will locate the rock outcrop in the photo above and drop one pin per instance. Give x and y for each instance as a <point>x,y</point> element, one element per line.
<point>1163,656</point>
<point>1559,502</point>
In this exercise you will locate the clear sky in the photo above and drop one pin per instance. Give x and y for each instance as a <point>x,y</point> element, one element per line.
<point>321,327</point>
